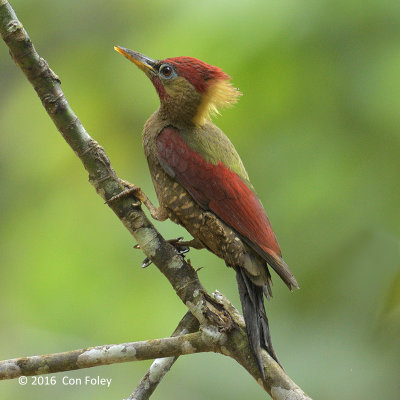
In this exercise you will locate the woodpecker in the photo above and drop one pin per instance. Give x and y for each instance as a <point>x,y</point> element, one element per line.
<point>201,183</point>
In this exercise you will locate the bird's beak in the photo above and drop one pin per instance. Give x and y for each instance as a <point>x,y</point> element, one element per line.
<point>144,63</point>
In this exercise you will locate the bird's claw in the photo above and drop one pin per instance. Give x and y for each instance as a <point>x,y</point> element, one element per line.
<point>130,188</point>
<point>181,249</point>
<point>174,241</point>
<point>146,262</point>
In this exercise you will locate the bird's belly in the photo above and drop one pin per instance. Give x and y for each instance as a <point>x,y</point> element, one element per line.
<point>202,224</point>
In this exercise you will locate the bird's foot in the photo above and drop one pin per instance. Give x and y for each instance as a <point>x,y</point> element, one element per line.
<point>158,213</point>
<point>181,247</point>
<point>146,262</point>
<point>130,188</point>
<point>194,244</point>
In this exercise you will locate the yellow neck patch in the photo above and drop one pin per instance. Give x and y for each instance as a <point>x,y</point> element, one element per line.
<point>221,94</point>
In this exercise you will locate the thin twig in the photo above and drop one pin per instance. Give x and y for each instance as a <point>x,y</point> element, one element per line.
<point>161,366</point>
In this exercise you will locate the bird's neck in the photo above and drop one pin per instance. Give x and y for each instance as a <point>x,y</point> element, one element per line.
<point>181,107</point>
<point>177,115</point>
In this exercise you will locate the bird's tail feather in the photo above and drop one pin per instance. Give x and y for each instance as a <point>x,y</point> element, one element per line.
<point>281,268</point>
<point>251,297</point>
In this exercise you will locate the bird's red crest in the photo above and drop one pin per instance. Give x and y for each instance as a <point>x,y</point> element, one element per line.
<point>197,72</point>
<point>210,81</point>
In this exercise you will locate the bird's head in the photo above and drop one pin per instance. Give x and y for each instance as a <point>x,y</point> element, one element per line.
<point>190,90</point>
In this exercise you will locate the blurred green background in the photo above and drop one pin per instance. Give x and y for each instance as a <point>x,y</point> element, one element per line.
<point>318,130</point>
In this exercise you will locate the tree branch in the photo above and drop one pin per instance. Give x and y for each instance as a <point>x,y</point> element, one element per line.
<point>224,327</point>
<point>105,355</point>
<point>161,366</point>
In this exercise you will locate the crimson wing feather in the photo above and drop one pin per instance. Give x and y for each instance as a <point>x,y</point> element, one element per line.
<point>219,189</point>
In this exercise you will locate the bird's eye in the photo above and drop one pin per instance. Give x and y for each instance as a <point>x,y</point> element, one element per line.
<point>166,71</point>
